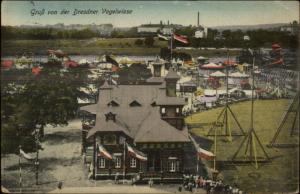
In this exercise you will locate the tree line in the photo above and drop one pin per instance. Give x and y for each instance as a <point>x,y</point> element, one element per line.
<point>215,38</point>
<point>9,32</point>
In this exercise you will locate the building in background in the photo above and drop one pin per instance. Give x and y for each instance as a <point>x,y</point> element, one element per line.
<point>201,31</point>
<point>164,28</point>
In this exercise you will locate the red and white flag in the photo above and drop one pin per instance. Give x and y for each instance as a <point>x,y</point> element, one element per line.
<point>136,154</point>
<point>104,153</point>
<point>202,153</point>
<point>181,38</point>
<point>25,155</point>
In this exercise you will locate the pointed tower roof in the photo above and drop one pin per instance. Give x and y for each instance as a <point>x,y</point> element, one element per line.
<point>105,86</point>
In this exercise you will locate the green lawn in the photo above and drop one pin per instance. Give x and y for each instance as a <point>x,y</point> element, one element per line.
<point>279,175</point>
<point>96,46</point>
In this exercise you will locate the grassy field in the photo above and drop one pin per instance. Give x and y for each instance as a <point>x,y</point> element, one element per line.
<point>279,175</point>
<point>96,46</point>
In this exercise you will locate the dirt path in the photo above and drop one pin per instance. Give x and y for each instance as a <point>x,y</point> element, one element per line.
<point>61,160</point>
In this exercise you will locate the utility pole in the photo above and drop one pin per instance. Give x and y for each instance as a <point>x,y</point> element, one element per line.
<point>124,163</point>
<point>20,169</point>
<point>37,128</point>
<point>20,148</point>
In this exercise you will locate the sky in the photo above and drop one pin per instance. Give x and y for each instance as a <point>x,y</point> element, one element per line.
<point>212,13</point>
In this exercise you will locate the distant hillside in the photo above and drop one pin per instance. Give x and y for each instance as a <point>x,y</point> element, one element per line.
<point>250,27</point>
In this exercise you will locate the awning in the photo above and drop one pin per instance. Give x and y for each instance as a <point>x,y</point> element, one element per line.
<point>238,75</point>
<point>212,66</point>
<point>217,74</point>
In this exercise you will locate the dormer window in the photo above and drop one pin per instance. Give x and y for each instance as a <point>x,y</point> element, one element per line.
<point>110,116</point>
<point>113,103</point>
<point>134,104</point>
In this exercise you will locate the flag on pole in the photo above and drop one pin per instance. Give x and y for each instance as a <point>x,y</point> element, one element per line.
<point>181,38</point>
<point>25,155</point>
<point>162,37</point>
<point>114,82</point>
<point>205,154</point>
<point>135,153</point>
<point>104,153</point>
<point>115,64</point>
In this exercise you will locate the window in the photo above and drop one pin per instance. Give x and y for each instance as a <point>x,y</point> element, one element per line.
<point>173,165</point>
<point>163,110</point>
<point>134,104</point>
<point>113,103</point>
<point>102,163</point>
<point>177,110</point>
<point>118,162</point>
<point>153,104</point>
<point>109,139</point>
<point>132,162</point>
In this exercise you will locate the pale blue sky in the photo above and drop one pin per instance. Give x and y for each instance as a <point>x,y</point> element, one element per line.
<point>213,13</point>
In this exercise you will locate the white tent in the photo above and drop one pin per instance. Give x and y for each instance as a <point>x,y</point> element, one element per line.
<point>238,75</point>
<point>217,74</point>
<point>209,92</point>
<point>125,60</point>
<point>201,58</point>
<point>211,65</point>
<point>84,61</point>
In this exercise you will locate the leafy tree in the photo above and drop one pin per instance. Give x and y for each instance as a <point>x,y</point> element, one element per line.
<point>136,73</point>
<point>50,98</point>
<point>29,100</point>
<point>138,42</point>
<point>149,41</point>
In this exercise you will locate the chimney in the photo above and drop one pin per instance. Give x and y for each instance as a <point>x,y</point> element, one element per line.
<point>198,19</point>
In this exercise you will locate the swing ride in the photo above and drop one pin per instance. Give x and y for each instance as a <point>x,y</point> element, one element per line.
<point>291,117</point>
<point>224,124</point>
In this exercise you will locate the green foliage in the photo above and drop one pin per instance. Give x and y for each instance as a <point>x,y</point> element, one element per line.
<point>165,53</point>
<point>9,32</point>
<point>138,42</point>
<point>28,100</point>
<point>149,41</point>
<point>134,74</point>
<point>130,33</point>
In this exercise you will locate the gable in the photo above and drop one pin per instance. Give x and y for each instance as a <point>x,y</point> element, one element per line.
<point>135,104</point>
<point>113,103</point>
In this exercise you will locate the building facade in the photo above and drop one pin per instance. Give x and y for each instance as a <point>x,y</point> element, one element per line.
<point>145,118</point>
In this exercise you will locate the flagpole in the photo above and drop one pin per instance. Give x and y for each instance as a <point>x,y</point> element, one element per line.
<point>20,169</point>
<point>37,156</point>
<point>215,150</point>
<point>124,162</point>
<point>20,148</point>
<point>171,46</point>
<point>197,164</point>
<point>96,160</point>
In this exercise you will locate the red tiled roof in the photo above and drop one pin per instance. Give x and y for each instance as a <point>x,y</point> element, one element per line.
<point>7,64</point>
<point>36,70</point>
<point>71,64</point>
<point>229,63</point>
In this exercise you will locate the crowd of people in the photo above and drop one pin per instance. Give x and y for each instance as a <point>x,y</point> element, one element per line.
<point>191,182</point>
